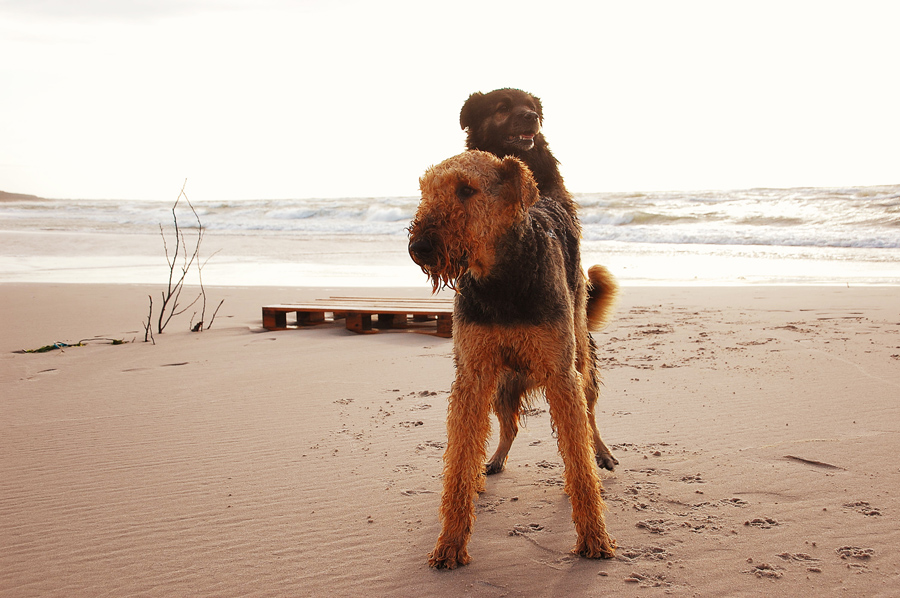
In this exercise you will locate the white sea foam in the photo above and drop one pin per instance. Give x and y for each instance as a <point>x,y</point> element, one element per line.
<point>854,231</point>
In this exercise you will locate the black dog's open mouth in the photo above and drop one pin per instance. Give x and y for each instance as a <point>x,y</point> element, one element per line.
<point>523,141</point>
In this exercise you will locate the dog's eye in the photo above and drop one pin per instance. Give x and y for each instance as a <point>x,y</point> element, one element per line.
<point>464,192</point>
<point>503,108</point>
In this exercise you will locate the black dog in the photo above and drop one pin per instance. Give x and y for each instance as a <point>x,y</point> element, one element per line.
<point>507,122</point>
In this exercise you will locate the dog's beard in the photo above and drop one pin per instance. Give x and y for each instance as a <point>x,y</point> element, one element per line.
<point>445,273</point>
<point>442,268</point>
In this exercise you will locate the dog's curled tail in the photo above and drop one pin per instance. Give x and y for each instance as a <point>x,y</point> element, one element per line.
<point>602,293</point>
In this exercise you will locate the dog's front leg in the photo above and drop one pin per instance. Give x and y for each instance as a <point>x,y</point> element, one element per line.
<point>468,427</point>
<point>568,410</point>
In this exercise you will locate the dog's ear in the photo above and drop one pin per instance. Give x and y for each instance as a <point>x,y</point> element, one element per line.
<point>517,183</point>
<point>468,114</point>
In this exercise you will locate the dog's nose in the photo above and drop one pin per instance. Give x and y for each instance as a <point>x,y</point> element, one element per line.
<point>421,251</point>
<point>531,116</point>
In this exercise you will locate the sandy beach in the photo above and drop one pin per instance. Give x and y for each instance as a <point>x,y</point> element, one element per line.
<point>756,430</point>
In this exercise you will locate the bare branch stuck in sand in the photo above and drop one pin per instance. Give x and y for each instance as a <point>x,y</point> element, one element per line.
<point>180,263</point>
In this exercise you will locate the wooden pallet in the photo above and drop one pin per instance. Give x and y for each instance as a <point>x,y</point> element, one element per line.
<point>358,312</point>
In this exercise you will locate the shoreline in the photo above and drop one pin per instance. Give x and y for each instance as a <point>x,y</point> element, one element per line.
<point>357,261</point>
<point>755,428</point>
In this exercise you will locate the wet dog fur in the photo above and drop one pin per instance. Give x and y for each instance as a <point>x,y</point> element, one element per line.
<point>520,324</point>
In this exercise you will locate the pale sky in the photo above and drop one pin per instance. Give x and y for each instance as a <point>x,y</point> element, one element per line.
<point>277,99</point>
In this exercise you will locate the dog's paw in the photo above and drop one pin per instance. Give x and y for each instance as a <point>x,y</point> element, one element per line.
<point>606,460</point>
<point>447,556</point>
<point>492,467</point>
<point>601,547</point>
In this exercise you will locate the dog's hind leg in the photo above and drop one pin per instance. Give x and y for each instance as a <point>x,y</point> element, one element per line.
<point>602,454</point>
<point>507,403</point>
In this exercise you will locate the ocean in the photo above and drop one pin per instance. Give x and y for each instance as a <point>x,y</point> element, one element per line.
<point>754,236</point>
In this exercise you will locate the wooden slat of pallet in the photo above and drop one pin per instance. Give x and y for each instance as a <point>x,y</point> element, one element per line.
<point>395,300</point>
<point>387,308</point>
<point>388,303</point>
<point>358,311</point>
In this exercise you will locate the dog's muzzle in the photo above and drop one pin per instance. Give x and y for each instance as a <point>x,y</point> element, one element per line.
<point>526,126</point>
<point>422,251</point>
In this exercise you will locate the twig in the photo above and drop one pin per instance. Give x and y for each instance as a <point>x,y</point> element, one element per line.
<point>813,462</point>
<point>148,327</point>
<point>213,319</point>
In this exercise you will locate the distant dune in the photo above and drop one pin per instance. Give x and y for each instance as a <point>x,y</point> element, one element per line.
<point>4,196</point>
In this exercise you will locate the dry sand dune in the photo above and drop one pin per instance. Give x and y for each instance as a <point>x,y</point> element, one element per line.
<point>756,428</point>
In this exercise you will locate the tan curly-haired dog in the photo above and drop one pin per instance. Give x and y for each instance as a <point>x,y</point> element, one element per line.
<point>520,319</point>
